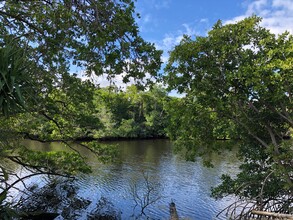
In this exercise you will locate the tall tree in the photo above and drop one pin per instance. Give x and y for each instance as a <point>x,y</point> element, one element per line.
<point>99,35</point>
<point>238,82</point>
<point>132,113</point>
<point>48,38</point>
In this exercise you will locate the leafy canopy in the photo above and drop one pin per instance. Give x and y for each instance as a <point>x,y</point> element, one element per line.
<point>100,36</point>
<point>238,82</point>
<point>39,42</point>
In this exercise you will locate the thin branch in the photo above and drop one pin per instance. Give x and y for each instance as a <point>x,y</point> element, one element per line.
<point>22,179</point>
<point>250,132</point>
<point>262,187</point>
<point>3,13</point>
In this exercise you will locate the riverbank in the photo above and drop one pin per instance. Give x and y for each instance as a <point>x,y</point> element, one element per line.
<point>89,138</point>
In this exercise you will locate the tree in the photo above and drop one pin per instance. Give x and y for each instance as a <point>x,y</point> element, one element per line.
<point>39,42</point>
<point>132,113</point>
<point>100,36</point>
<point>14,78</point>
<point>156,102</point>
<point>68,113</point>
<point>238,82</point>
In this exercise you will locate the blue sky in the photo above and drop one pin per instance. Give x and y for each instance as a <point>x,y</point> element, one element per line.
<point>163,17</point>
<point>164,22</point>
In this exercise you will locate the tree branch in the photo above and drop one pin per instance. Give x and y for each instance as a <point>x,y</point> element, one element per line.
<point>19,18</point>
<point>272,214</point>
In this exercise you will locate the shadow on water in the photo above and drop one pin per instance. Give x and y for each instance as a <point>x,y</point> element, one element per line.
<point>185,183</point>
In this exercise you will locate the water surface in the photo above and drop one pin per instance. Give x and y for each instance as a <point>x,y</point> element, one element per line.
<point>187,184</point>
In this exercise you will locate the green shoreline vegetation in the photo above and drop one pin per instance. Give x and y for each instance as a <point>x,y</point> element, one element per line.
<point>130,114</point>
<point>237,80</point>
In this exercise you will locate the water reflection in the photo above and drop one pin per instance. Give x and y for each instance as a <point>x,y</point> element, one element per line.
<point>186,183</point>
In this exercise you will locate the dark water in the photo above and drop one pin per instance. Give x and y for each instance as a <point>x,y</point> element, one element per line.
<point>152,162</point>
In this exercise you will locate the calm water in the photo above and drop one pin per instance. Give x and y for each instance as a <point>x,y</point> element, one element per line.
<point>174,179</point>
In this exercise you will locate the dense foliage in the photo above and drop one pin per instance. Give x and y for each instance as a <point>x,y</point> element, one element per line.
<point>101,36</point>
<point>133,113</point>
<point>238,82</point>
<point>90,113</point>
<point>40,41</point>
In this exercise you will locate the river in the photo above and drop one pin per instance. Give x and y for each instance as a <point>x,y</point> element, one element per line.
<point>153,162</point>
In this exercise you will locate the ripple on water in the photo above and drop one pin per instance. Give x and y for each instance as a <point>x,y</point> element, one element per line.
<point>186,183</point>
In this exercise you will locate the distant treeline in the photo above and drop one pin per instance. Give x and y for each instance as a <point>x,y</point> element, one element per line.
<point>85,112</point>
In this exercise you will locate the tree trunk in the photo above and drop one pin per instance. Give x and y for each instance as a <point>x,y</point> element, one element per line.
<point>272,214</point>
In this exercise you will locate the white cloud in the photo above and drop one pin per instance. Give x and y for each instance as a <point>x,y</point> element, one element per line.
<point>204,20</point>
<point>147,18</point>
<point>162,4</point>
<point>165,58</point>
<point>189,30</point>
<point>256,5</point>
<point>117,80</point>
<point>147,23</point>
<point>172,39</point>
<point>104,80</point>
<point>283,3</point>
<point>277,14</point>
